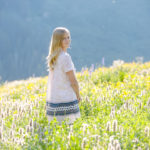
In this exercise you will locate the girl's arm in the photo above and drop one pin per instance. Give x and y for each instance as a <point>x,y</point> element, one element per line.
<point>74,83</point>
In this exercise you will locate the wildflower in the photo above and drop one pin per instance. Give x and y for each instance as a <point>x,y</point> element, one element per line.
<point>118,147</point>
<point>82,70</point>
<point>103,61</point>
<point>113,109</point>
<point>31,130</point>
<point>8,111</point>
<point>108,87</point>
<point>148,103</point>
<point>20,131</point>
<point>3,115</point>
<point>112,115</point>
<point>26,100</point>
<point>88,132</point>
<point>35,124</point>
<point>135,140</point>
<point>45,106</point>
<point>139,60</point>
<point>118,112</point>
<point>19,108</point>
<point>143,92</point>
<point>114,125</point>
<point>108,126</point>
<point>1,133</point>
<point>140,105</point>
<point>15,116</point>
<point>100,147</point>
<point>11,133</point>
<point>39,129</point>
<point>110,146</point>
<point>40,139</point>
<point>135,110</point>
<point>115,143</point>
<point>131,108</point>
<point>30,109</point>
<point>71,128</point>
<point>70,134</point>
<point>23,110</point>
<point>146,131</point>
<point>27,128</point>
<point>41,134</point>
<point>99,100</point>
<point>105,134</point>
<point>117,63</point>
<point>111,139</point>
<point>121,130</point>
<point>87,99</point>
<point>13,139</point>
<point>84,141</point>
<point>36,112</point>
<point>91,69</point>
<point>104,98</point>
<point>31,122</point>
<point>127,104</point>
<point>37,104</point>
<point>94,148</point>
<point>20,142</point>
<point>139,148</point>
<point>146,147</point>
<point>96,136</point>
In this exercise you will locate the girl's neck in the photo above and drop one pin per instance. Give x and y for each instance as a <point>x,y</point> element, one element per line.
<point>64,49</point>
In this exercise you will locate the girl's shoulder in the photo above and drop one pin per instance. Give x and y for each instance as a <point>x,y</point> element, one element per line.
<point>64,53</point>
<point>64,56</point>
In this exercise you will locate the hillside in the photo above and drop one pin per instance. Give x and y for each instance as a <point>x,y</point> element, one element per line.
<point>115,111</point>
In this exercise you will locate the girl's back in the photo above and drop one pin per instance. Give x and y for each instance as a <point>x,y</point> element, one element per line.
<point>61,91</point>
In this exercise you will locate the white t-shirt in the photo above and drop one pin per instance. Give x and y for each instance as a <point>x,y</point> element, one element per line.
<point>58,85</point>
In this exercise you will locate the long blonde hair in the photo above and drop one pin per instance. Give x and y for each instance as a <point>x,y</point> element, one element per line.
<point>55,46</point>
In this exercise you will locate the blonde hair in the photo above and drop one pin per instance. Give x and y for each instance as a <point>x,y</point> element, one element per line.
<point>55,46</point>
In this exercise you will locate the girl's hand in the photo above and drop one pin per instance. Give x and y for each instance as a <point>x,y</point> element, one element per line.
<point>79,98</point>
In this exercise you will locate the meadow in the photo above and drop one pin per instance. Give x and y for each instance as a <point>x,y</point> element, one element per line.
<point>115,112</point>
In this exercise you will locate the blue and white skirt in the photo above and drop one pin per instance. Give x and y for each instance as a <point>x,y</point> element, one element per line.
<point>62,111</point>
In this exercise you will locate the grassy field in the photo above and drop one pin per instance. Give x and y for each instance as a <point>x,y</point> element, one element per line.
<point>115,112</point>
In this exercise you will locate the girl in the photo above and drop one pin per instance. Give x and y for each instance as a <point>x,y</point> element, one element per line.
<point>63,89</point>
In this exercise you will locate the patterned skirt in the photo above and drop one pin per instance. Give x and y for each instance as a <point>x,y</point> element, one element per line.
<point>62,111</point>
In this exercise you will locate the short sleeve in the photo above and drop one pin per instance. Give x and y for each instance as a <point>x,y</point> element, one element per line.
<point>67,63</point>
